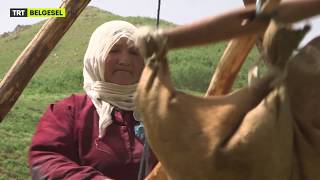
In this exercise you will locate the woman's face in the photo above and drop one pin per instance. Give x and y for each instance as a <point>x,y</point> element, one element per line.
<point>124,64</point>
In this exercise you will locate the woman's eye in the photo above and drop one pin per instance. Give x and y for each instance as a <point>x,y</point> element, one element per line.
<point>134,52</point>
<point>114,50</point>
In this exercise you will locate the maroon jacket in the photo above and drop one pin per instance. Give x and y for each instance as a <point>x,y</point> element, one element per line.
<point>66,145</point>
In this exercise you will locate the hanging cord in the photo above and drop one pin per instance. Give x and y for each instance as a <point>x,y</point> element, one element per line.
<point>158,13</point>
<point>145,153</point>
<point>145,163</point>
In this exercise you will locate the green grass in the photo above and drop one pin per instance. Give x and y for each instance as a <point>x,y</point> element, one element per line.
<point>16,132</point>
<point>61,75</point>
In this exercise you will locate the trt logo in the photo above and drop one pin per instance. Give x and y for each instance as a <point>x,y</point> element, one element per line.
<point>18,12</point>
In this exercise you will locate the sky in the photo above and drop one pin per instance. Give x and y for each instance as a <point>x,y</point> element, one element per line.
<point>176,11</point>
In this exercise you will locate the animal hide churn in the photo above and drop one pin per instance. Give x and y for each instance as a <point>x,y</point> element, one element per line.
<point>267,131</point>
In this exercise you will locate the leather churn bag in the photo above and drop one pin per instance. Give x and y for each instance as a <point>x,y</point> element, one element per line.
<point>249,134</point>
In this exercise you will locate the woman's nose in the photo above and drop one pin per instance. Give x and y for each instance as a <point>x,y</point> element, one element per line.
<point>124,59</point>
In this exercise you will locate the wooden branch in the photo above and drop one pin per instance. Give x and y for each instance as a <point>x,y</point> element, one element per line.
<point>216,28</point>
<point>230,64</point>
<point>35,53</point>
<point>230,25</point>
<point>233,57</point>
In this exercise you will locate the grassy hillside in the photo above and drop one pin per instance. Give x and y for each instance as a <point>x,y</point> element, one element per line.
<point>61,75</point>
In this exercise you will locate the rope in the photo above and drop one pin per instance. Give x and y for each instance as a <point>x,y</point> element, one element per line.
<point>144,161</point>
<point>158,13</point>
<point>145,165</point>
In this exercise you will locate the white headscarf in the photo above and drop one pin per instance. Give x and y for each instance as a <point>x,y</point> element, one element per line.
<point>106,95</point>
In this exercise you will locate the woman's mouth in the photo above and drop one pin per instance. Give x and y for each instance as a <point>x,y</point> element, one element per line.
<point>122,71</point>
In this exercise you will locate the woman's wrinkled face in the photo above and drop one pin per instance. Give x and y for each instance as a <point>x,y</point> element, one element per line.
<point>124,64</point>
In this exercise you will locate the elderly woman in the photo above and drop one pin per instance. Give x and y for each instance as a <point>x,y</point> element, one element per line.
<point>91,136</point>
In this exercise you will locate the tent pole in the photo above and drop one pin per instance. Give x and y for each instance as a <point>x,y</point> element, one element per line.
<point>31,58</point>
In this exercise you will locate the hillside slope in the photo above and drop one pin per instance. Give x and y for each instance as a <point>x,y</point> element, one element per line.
<point>61,72</point>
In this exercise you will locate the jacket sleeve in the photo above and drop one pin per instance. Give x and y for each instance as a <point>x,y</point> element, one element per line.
<point>53,151</point>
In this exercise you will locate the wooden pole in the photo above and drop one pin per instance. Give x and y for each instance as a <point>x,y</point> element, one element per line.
<point>233,58</point>
<point>231,25</point>
<point>35,53</point>
<point>230,64</point>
